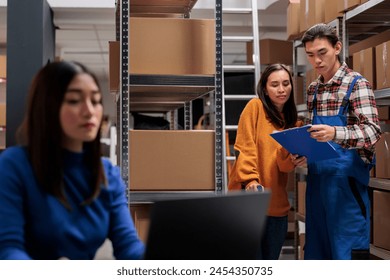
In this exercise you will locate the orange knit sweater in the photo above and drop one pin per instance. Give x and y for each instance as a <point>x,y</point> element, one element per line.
<point>261,158</point>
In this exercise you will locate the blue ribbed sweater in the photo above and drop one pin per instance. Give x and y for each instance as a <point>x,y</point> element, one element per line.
<point>35,225</point>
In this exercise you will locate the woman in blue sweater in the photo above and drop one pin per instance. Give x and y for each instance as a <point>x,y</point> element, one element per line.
<point>58,197</point>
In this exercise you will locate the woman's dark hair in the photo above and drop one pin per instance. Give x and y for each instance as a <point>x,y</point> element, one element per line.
<point>289,108</point>
<point>42,133</point>
<point>321,31</point>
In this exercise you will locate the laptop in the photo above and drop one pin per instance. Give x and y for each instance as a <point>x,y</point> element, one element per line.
<point>219,227</point>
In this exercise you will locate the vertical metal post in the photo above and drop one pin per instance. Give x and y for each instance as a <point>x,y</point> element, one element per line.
<point>343,37</point>
<point>256,42</point>
<point>188,115</point>
<point>123,154</point>
<point>219,100</point>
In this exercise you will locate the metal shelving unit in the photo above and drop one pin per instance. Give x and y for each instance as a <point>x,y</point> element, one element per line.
<point>165,93</point>
<point>379,252</point>
<point>382,185</point>
<point>366,20</point>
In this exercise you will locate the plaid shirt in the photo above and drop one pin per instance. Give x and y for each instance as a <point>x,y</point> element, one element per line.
<point>362,130</point>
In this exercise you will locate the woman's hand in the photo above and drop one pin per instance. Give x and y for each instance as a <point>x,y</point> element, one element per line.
<point>254,187</point>
<point>298,160</point>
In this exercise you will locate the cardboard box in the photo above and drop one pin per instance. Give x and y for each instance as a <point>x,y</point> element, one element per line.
<point>171,160</point>
<point>290,186</point>
<point>141,217</point>
<point>272,51</point>
<point>346,5</point>
<point>3,114</point>
<point>311,13</point>
<point>293,10</point>
<point>303,15</point>
<point>299,90</point>
<point>311,75</point>
<point>372,41</point>
<point>382,65</point>
<point>384,113</point>
<point>172,46</point>
<point>331,11</point>
<point>302,237</point>
<point>381,219</point>
<point>382,147</point>
<point>364,63</point>
<point>316,12</point>
<point>114,65</point>
<point>301,190</point>
<point>3,66</point>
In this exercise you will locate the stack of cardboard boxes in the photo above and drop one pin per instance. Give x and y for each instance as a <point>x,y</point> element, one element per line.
<point>302,14</point>
<point>164,160</point>
<point>167,160</point>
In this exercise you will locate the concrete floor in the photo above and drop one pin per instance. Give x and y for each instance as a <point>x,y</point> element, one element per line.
<point>105,252</point>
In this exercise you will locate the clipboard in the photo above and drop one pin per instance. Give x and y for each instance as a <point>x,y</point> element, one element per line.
<point>297,140</point>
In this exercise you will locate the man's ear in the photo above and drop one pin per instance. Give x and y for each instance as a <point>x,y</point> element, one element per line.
<point>338,47</point>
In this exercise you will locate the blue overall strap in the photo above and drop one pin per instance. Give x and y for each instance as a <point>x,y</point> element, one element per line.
<point>345,102</point>
<point>315,100</point>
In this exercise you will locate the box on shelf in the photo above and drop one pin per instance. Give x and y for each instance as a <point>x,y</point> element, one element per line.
<point>303,15</point>
<point>372,41</point>
<point>364,63</point>
<point>311,12</point>
<point>114,65</point>
<point>172,160</point>
<point>384,113</point>
<point>382,167</point>
<point>3,66</point>
<point>290,187</point>
<point>299,90</point>
<point>302,238</point>
<point>141,217</point>
<point>2,114</point>
<point>293,31</point>
<point>381,219</point>
<point>346,5</point>
<point>382,65</point>
<point>272,51</point>
<point>311,75</point>
<point>172,46</point>
<point>301,190</point>
<point>331,11</point>
<point>316,12</point>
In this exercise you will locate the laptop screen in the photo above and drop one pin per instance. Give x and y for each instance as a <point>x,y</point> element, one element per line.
<point>207,228</point>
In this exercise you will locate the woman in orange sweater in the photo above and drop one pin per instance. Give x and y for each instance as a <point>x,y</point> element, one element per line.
<point>260,160</point>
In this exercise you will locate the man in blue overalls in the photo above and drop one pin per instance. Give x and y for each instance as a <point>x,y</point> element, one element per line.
<point>342,107</point>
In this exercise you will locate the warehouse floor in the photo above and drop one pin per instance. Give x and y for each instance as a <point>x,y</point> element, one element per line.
<point>105,252</point>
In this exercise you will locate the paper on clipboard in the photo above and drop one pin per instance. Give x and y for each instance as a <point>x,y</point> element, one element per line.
<point>297,140</point>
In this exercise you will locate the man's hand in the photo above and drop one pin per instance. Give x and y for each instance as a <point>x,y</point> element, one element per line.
<point>322,132</point>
